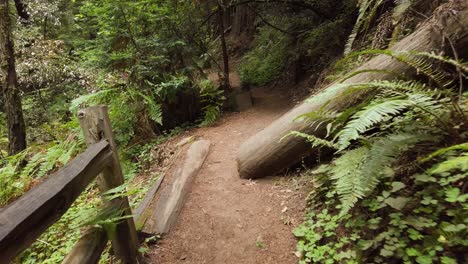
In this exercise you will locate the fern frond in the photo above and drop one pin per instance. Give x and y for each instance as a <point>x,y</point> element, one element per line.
<point>397,86</point>
<point>89,99</point>
<point>211,114</point>
<point>415,60</point>
<point>372,12</point>
<point>318,115</point>
<point>453,163</point>
<point>459,64</point>
<point>67,155</point>
<point>383,153</point>
<point>348,177</point>
<point>463,146</point>
<point>367,10</point>
<point>354,73</point>
<point>317,118</point>
<point>357,172</point>
<point>368,117</point>
<point>31,168</point>
<point>154,108</point>
<point>440,77</point>
<point>315,141</point>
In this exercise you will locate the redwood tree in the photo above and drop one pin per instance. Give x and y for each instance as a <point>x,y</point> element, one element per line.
<point>221,10</point>
<point>9,85</point>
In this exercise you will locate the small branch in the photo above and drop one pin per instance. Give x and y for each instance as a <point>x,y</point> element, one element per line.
<point>268,23</point>
<point>294,3</point>
<point>129,29</point>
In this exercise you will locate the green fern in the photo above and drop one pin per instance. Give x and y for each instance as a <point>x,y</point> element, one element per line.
<point>45,161</point>
<point>384,151</point>
<point>368,117</point>
<point>211,115</point>
<point>212,98</point>
<point>459,64</point>
<point>317,118</point>
<point>384,109</point>
<point>348,177</point>
<point>315,141</point>
<point>439,152</point>
<point>379,176</point>
<point>352,74</point>
<point>367,10</point>
<point>89,99</point>
<point>154,108</point>
<point>11,183</point>
<point>417,60</point>
<point>451,164</point>
<point>55,156</point>
<point>32,166</point>
<point>357,172</point>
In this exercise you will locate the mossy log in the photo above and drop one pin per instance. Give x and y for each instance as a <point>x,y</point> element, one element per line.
<point>264,154</point>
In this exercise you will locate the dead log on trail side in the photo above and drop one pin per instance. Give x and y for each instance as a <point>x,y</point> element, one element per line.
<point>264,154</point>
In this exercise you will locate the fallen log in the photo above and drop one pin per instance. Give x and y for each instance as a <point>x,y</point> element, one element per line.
<point>158,210</point>
<point>89,247</point>
<point>164,208</point>
<point>264,154</point>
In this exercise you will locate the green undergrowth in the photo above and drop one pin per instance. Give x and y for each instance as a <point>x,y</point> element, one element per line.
<point>266,61</point>
<point>212,99</point>
<point>59,239</point>
<point>292,43</point>
<point>18,176</point>
<point>396,191</point>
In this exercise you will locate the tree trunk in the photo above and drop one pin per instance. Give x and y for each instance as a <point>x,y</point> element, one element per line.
<point>9,85</point>
<point>225,80</point>
<point>264,154</point>
<point>243,20</point>
<point>21,10</point>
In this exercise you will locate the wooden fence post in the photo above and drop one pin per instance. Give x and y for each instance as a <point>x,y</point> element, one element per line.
<point>95,123</point>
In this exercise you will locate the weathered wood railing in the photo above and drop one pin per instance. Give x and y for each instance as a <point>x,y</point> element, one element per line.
<point>24,220</point>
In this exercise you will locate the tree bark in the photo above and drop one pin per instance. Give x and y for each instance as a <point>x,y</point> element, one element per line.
<point>9,85</point>
<point>21,10</point>
<point>264,154</point>
<point>243,20</point>
<point>226,83</point>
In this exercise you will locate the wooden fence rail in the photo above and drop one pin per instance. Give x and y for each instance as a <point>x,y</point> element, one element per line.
<point>24,220</point>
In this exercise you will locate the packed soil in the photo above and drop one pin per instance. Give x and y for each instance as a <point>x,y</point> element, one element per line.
<point>230,220</point>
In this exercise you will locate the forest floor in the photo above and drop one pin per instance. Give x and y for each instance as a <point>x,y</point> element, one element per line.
<point>230,220</point>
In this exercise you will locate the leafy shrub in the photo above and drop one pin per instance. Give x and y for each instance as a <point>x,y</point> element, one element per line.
<point>3,136</point>
<point>125,102</point>
<point>212,99</point>
<point>265,62</point>
<point>54,244</point>
<point>12,185</point>
<point>379,201</point>
<point>16,178</point>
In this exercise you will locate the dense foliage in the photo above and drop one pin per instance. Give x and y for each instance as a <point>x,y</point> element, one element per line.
<point>397,190</point>
<point>295,42</point>
<point>142,59</point>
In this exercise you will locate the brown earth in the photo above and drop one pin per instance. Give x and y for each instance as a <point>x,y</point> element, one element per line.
<point>229,220</point>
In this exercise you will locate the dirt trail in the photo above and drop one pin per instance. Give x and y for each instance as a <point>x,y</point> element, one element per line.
<point>229,220</point>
